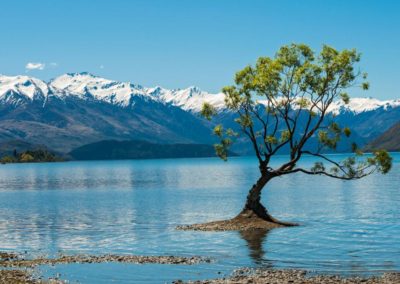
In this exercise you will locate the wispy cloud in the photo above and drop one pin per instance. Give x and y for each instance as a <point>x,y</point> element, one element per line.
<point>35,66</point>
<point>101,66</point>
<point>53,64</point>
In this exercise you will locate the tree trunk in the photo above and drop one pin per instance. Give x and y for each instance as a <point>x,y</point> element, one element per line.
<point>254,208</point>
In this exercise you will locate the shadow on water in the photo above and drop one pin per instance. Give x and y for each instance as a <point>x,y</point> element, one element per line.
<point>255,240</point>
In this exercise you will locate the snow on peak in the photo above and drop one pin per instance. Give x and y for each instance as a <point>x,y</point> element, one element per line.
<point>25,86</point>
<point>85,84</point>
<point>189,99</point>
<point>359,105</point>
<point>355,105</point>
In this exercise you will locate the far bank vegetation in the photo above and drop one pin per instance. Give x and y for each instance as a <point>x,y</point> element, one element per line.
<point>30,156</point>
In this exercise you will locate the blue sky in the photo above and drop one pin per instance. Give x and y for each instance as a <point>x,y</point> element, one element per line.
<point>176,44</point>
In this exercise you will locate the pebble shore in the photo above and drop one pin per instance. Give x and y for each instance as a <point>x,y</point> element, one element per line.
<point>137,259</point>
<point>24,273</point>
<point>259,276</point>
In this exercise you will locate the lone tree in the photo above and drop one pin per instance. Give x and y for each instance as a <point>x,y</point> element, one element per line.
<point>282,103</point>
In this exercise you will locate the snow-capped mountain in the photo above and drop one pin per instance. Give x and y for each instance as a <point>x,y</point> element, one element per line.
<point>87,86</point>
<point>360,105</point>
<point>17,89</point>
<point>190,99</point>
<point>121,93</point>
<point>79,108</point>
<point>76,109</point>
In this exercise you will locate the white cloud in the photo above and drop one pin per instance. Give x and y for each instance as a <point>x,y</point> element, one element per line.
<point>53,64</point>
<point>35,66</point>
<point>101,66</point>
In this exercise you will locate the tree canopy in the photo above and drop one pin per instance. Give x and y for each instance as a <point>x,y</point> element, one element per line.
<point>284,101</point>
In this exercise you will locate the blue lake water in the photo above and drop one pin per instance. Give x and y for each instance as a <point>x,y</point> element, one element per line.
<point>133,207</point>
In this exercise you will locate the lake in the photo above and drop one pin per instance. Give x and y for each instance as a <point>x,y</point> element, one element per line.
<point>133,207</point>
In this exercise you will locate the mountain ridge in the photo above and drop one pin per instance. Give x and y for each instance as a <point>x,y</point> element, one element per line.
<point>85,85</point>
<point>389,140</point>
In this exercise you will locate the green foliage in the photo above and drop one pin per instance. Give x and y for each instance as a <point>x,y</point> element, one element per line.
<point>222,148</point>
<point>349,166</point>
<point>334,127</point>
<point>208,111</point>
<point>296,82</point>
<point>318,166</point>
<point>334,170</point>
<point>383,160</point>
<point>323,136</point>
<point>244,121</point>
<point>303,103</point>
<point>285,135</point>
<point>271,139</point>
<point>345,98</point>
<point>328,140</point>
<point>312,114</point>
<point>357,167</point>
<point>330,137</point>
<point>218,130</point>
<point>347,131</point>
<point>229,132</point>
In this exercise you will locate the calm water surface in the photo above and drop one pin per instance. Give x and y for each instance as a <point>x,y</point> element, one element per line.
<point>132,207</point>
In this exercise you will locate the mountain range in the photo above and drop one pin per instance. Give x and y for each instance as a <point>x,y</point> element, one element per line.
<point>79,108</point>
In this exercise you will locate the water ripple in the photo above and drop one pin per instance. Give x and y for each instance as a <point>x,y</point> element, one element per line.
<point>134,206</point>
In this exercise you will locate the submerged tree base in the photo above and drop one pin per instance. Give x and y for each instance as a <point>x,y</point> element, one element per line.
<point>246,220</point>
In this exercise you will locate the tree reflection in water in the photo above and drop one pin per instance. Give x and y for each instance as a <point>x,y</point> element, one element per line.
<point>255,240</point>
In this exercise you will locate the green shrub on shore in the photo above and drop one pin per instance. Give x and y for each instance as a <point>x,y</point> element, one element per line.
<point>8,159</point>
<point>30,156</point>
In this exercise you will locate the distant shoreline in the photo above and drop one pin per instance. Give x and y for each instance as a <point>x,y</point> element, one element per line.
<point>148,159</point>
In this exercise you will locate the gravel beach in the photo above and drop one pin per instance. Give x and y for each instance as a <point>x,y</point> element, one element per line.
<point>247,276</point>
<point>17,269</point>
